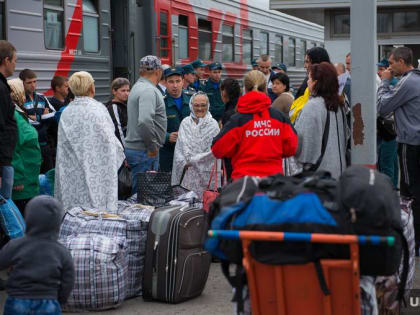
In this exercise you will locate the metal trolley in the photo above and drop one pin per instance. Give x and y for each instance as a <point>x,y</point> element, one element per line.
<point>294,289</point>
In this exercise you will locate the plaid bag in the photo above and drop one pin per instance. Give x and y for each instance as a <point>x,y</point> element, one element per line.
<point>387,287</point>
<point>137,217</point>
<point>154,188</point>
<point>129,222</point>
<point>101,272</point>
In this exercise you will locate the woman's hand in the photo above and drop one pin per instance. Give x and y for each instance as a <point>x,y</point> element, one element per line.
<point>19,187</point>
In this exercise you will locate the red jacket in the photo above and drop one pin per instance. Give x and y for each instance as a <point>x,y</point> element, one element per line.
<point>256,138</point>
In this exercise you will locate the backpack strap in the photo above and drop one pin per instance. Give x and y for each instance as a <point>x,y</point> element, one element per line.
<point>321,278</point>
<point>237,281</point>
<point>325,136</point>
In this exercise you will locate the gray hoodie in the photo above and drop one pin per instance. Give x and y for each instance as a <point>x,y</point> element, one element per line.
<point>404,101</point>
<point>41,268</point>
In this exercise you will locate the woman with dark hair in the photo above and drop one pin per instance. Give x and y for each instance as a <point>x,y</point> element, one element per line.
<point>313,56</point>
<point>230,92</point>
<point>322,118</point>
<point>281,87</point>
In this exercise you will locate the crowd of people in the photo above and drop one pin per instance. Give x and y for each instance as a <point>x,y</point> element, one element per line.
<point>183,119</point>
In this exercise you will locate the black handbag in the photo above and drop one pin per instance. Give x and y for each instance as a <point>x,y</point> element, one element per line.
<point>154,188</point>
<point>124,183</point>
<point>386,128</point>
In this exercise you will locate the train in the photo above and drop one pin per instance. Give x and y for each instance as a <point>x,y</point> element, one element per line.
<point>108,37</point>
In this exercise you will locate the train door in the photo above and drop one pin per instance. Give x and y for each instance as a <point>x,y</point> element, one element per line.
<point>164,31</point>
<point>120,40</point>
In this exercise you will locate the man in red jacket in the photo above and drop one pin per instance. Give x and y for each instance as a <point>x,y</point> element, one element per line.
<point>258,137</point>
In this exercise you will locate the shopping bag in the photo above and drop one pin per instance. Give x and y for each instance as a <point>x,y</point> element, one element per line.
<point>124,183</point>
<point>154,188</point>
<point>11,219</point>
<point>210,194</point>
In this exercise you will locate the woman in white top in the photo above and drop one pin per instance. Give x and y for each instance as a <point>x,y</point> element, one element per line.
<point>192,150</point>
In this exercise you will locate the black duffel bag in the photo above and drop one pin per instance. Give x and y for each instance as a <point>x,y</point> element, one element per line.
<point>154,188</point>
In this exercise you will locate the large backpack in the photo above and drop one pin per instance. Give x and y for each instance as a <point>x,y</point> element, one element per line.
<point>374,209</point>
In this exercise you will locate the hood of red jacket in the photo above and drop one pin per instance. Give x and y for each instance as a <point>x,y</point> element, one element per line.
<point>253,102</point>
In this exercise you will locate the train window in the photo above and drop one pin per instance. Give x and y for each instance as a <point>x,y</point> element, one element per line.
<point>228,43</point>
<point>292,52</point>
<point>264,47</point>
<point>183,36</point>
<point>54,24</point>
<point>247,46</point>
<point>278,50</point>
<point>300,54</point>
<point>204,39</point>
<point>90,26</point>
<point>164,31</point>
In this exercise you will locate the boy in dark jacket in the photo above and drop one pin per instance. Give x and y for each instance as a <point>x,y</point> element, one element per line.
<point>42,274</point>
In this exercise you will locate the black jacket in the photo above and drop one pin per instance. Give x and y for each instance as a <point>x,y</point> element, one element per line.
<point>118,112</point>
<point>8,126</point>
<point>42,268</point>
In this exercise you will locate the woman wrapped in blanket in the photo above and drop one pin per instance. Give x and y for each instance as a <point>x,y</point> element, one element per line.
<point>193,159</point>
<point>88,152</point>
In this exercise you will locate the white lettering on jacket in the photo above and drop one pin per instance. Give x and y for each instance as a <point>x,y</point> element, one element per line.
<point>262,128</point>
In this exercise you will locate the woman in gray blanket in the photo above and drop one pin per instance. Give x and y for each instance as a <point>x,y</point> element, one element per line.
<point>313,121</point>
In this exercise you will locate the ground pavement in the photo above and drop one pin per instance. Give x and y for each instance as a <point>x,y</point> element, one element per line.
<point>215,300</point>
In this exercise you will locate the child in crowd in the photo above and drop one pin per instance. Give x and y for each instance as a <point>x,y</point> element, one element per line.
<point>41,270</point>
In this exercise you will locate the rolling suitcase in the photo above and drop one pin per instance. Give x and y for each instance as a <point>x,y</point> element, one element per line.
<point>177,266</point>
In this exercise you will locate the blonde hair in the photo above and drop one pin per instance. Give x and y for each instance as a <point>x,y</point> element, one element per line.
<point>17,92</point>
<point>80,83</point>
<point>255,81</point>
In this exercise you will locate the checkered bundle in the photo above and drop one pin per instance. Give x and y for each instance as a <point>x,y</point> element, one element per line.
<point>129,222</point>
<point>101,271</point>
<point>137,218</point>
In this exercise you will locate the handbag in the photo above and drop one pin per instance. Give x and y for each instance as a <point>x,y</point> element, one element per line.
<point>209,195</point>
<point>11,220</point>
<point>154,188</point>
<point>124,183</point>
<point>386,128</point>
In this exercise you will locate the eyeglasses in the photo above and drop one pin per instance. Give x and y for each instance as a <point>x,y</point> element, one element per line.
<point>200,105</point>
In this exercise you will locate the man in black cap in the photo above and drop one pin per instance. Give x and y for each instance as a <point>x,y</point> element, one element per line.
<point>177,108</point>
<point>212,88</point>
<point>200,72</point>
<point>189,79</point>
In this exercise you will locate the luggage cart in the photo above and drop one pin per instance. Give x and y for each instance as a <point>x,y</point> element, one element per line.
<point>295,289</point>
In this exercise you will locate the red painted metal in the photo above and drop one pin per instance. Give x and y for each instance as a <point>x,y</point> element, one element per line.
<point>71,41</point>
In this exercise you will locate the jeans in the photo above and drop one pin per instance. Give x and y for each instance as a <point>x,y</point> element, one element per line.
<point>139,162</point>
<point>15,306</point>
<point>6,184</point>
<point>410,180</point>
<point>388,160</point>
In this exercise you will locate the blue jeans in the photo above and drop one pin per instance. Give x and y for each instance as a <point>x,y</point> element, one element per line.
<point>388,160</point>
<point>15,306</point>
<point>139,162</point>
<point>6,184</point>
